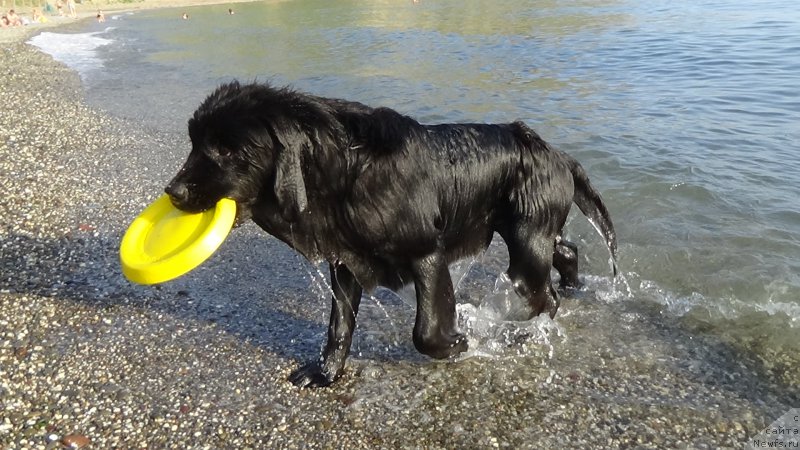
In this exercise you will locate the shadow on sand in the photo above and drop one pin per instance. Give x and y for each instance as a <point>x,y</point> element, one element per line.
<point>260,291</point>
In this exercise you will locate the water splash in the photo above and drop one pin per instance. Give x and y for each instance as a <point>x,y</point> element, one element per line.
<point>610,290</point>
<point>319,282</point>
<point>493,327</point>
<point>395,330</point>
<point>460,271</point>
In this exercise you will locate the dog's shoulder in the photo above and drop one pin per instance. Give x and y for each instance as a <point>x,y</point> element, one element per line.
<point>345,107</point>
<point>376,130</point>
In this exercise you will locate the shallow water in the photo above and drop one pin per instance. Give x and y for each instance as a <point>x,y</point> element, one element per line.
<point>686,116</point>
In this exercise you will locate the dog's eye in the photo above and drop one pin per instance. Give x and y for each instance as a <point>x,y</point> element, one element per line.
<point>223,151</point>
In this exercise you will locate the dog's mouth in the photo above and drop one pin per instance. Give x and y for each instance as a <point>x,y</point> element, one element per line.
<point>186,199</point>
<point>190,208</point>
<point>238,221</point>
<point>243,214</point>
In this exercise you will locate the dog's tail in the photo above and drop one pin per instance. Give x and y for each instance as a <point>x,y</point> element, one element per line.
<point>591,205</point>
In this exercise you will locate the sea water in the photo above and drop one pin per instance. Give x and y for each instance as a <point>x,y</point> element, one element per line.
<point>686,116</point>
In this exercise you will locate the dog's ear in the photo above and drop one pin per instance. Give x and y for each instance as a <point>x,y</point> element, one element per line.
<point>290,188</point>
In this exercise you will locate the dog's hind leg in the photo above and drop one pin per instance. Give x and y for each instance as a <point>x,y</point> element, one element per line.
<point>346,299</point>
<point>435,331</point>
<point>565,260</point>
<point>530,258</point>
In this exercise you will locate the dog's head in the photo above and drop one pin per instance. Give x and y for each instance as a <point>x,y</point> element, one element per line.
<point>249,143</point>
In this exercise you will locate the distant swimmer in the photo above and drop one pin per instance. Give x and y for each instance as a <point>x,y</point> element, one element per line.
<point>230,11</point>
<point>185,16</point>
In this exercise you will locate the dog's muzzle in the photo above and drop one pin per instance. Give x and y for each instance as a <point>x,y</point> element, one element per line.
<point>178,194</point>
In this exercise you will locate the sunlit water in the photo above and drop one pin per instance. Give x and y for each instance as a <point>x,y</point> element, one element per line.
<point>685,114</point>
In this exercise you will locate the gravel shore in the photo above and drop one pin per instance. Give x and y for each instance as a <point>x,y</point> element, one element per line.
<point>89,360</point>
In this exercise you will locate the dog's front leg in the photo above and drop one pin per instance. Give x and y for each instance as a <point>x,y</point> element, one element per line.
<point>346,298</point>
<point>435,332</point>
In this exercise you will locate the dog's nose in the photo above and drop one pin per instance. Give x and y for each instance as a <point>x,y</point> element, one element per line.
<point>178,192</point>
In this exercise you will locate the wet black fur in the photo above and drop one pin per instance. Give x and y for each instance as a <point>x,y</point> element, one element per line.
<point>387,201</point>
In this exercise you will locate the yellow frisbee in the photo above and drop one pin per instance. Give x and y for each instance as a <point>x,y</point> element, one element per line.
<point>164,242</point>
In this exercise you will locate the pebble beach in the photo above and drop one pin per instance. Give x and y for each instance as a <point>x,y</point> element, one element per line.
<point>88,360</point>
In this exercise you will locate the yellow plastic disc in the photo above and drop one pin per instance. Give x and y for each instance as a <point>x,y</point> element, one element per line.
<point>164,242</point>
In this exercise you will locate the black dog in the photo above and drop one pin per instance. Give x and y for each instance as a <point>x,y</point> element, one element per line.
<point>386,200</point>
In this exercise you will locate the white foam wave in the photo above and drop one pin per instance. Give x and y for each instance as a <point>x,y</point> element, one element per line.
<point>78,51</point>
<point>121,16</point>
<point>628,287</point>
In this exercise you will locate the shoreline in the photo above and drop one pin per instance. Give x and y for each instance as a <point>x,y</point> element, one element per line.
<point>88,11</point>
<point>86,356</point>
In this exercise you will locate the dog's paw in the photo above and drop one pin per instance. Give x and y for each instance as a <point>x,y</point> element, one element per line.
<point>441,346</point>
<point>459,345</point>
<point>567,287</point>
<point>311,375</point>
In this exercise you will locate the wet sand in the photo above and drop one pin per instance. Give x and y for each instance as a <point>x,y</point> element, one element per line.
<point>201,362</point>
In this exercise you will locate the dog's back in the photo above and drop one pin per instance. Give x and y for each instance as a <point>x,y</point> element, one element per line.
<point>461,169</point>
